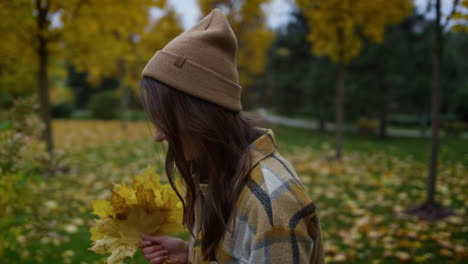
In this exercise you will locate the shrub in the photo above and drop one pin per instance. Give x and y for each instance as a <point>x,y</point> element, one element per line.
<point>62,110</point>
<point>21,148</point>
<point>136,115</point>
<point>404,120</point>
<point>6,100</point>
<point>19,130</point>
<point>104,105</point>
<point>454,128</point>
<point>367,125</point>
<point>82,115</point>
<point>23,159</point>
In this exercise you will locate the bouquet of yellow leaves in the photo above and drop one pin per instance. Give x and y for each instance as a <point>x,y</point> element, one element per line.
<point>147,207</point>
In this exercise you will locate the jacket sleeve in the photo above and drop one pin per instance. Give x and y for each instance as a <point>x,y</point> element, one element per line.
<point>296,244</point>
<point>287,228</point>
<point>282,245</point>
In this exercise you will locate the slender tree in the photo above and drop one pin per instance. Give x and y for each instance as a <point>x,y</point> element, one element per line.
<point>430,209</point>
<point>338,28</point>
<point>91,34</point>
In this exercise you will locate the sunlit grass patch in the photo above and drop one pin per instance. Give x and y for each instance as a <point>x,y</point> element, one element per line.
<point>76,134</point>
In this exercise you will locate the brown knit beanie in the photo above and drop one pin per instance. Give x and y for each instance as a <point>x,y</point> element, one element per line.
<point>202,62</point>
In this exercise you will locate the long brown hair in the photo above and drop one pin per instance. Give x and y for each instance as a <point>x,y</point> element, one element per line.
<point>219,136</point>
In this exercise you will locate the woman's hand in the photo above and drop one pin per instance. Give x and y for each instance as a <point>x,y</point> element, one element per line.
<point>158,249</point>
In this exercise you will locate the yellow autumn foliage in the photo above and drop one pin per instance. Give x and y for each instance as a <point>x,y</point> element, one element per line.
<point>460,18</point>
<point>147,206</point>
<point>101,37</point>
<point>157,35</point>
<point>338,26</point>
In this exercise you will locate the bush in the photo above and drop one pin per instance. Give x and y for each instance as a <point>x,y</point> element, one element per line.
<point>6,100</point>
<point>367,125</point>
<point>19,129</point>
<point>62,110</point>
<point>136,115</point>
<point>82,115</point>
<point>104,105</point>
<point>404,120</point>
<point>454,128</point>
<point>23,159</point>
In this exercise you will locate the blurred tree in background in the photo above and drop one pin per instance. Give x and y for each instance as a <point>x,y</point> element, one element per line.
<point>378,75</point>
<point>461,17</point>
<point>99,37</point>
<point>430,209</point>
<point>297,81</point>
<point>337,31</point>
<point>404,69</point>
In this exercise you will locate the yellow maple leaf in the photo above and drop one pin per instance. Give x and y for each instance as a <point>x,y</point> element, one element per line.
<point>102,208</point>
<point>125,192</point>
<point>147,207</point>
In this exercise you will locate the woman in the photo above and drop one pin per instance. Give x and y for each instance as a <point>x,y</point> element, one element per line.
<point>244,203</point>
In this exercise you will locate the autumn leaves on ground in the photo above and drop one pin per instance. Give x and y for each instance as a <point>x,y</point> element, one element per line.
<point>360,199</point>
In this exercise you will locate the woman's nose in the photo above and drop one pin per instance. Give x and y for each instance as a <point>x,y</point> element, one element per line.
<point>159,136</point>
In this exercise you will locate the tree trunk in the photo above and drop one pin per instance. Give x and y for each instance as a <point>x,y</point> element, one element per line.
<point>339,112</point>
<point>430,209</point>
<point>322,124</point>
<point>422,125</point>
<point>123,105</point>
<point>383,122</point>
<point>435,116</point>
<point>383,104</point>
<point>1,102</point>
<point>43,75</point>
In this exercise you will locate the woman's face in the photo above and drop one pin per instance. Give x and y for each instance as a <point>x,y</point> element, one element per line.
<point>188,148</point>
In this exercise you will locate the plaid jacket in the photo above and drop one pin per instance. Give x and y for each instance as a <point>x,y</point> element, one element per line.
<point>276,220</point>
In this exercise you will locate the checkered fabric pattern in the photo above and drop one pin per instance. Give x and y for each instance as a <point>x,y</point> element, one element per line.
<point>276,220</point>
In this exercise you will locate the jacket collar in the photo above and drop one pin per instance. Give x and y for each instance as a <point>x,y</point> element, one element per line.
<point>263,146</point>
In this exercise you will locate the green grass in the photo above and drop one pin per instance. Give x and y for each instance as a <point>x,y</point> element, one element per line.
<point>451,149</point>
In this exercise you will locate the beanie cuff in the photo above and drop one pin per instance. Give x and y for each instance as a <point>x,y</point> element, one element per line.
<point>194,79</point>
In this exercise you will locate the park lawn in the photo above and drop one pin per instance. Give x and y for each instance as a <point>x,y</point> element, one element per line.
<point>452,149</point>
<point>359,201</point>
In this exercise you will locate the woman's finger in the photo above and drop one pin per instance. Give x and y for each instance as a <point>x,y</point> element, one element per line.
<point>156,254</point>
<point>158,260</point>
<point>145,243</point>
<point>155,239</point>
<point>151,249</point>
